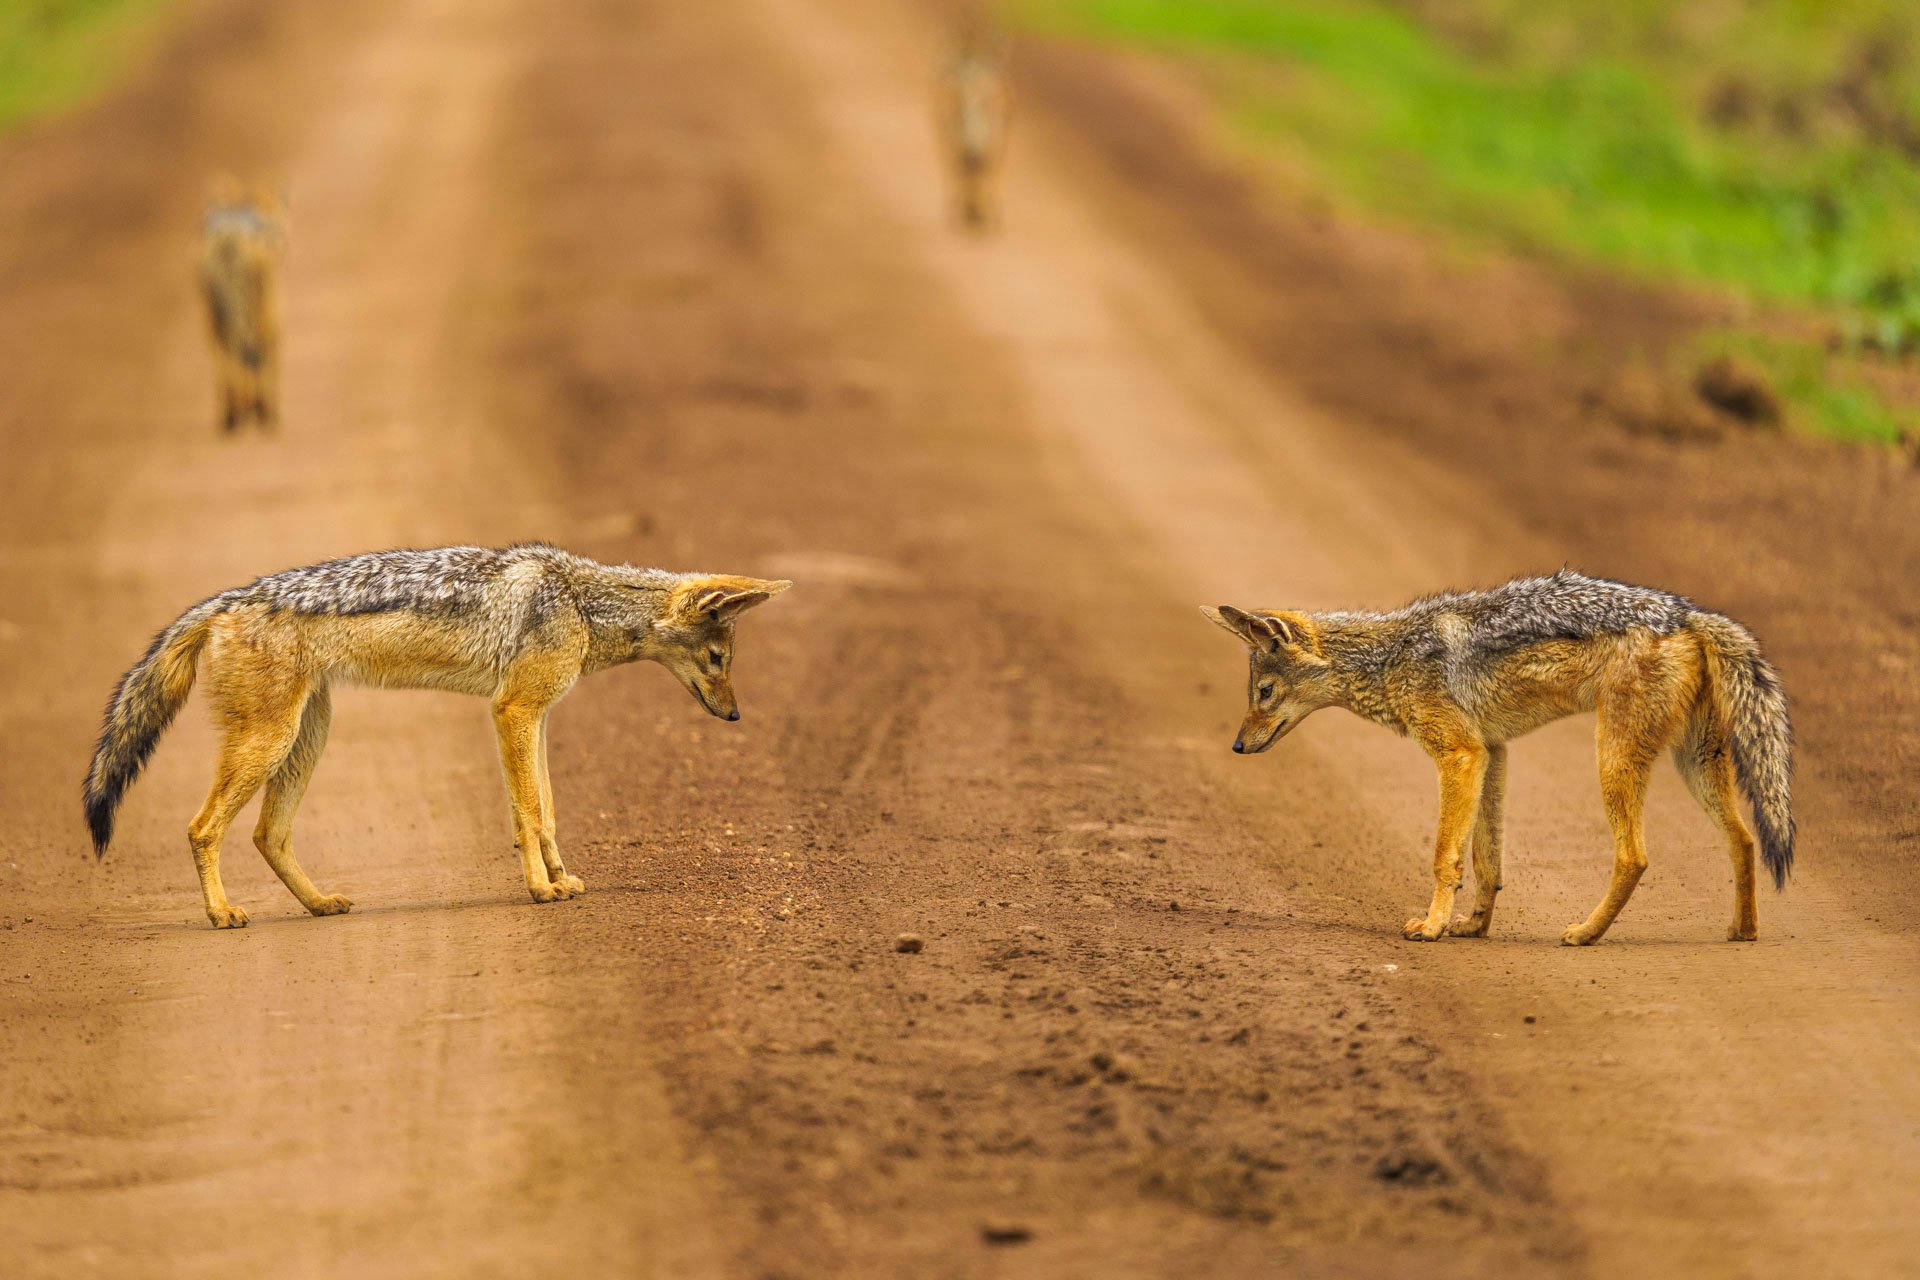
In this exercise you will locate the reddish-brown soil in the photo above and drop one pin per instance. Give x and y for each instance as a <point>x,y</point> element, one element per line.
<point>675,284</point>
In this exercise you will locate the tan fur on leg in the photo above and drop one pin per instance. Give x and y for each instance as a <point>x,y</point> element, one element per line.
<point>1462,764</point>
<point>1489,840</point>
<point>273,836</point>
<point>1706,764</point>
<point>263,705</point>
<point>549,845</point>
<point>518,728</point>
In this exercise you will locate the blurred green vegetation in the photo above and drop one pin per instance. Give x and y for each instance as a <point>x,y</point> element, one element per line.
<point>1768,145</point>
<point>1819,387</point>
<point>54,53</point>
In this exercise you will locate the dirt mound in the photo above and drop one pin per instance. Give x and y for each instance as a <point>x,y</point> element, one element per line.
<point>1738,387</point>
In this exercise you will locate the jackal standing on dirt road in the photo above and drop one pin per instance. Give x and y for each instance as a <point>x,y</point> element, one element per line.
<point>242,238</point>
<point>974,111</point>
<point>518,626</point>
<point>1464,673</point>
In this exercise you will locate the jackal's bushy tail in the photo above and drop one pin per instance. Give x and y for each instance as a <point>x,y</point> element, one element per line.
<point>1752,705</point>
<point>142,706</point>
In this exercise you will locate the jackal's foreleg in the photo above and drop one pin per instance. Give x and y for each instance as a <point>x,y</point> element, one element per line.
<point>518,729</point>
<point>1462,766</point>
<point>228,387</point>
<point>266,387</point>
<point>977,209</point>
<point>273,836</point>
<point>549,845</point>
<point>1489,842</point>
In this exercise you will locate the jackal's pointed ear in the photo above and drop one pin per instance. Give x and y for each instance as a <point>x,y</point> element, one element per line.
<point>1222,616</point>
<point>1261,630</point>
<point>1268,629</point>
<point>725,596</point>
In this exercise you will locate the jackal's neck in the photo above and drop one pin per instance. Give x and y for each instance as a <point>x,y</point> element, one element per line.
<point>611,645</point>
<point>1357,647</point>
<point>620,605</point>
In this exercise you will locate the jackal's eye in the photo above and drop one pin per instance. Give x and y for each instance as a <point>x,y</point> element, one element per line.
<point>1266,691</point>
<point>716,657</point>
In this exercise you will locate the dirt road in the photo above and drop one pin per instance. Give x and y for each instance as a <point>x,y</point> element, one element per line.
<point>677,287</point>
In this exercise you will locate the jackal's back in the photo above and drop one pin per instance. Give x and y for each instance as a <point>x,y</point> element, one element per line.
<point>441,582</point>
<point>1560,606</point>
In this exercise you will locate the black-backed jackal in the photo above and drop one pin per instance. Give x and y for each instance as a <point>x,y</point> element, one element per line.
<point>973,115</point>
<point>1465,673</point>
<point>518,626</point>
<point>242,239</point>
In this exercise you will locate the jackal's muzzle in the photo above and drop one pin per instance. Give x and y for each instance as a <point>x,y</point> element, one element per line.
<point>1258,733</point>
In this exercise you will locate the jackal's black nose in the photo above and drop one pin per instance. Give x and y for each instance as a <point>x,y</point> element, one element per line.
<point>734,714</point>
<point>1239,747</point>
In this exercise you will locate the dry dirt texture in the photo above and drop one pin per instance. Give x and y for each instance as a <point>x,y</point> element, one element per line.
<point>675,284</point>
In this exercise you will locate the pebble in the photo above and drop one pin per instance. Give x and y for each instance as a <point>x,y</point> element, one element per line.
<point>911,944</point>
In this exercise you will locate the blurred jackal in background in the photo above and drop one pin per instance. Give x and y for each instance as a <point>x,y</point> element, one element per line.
<point>1466,672</point>
<point>518,626</point>
<point>973,112</point>
<point>242,238</point>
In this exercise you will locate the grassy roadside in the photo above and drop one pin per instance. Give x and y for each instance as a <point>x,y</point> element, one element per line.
<point>1770,148</point>
<point>54,54</point>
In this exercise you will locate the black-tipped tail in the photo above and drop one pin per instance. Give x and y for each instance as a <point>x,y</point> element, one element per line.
<point>101,807</point>
<point>142,706</point>
<point>1753,706</point>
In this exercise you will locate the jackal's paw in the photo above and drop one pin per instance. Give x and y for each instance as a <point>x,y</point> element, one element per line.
<point>1748,933</point>
<point>1579,935</point>
<point>1418,930</point>
<point>1473,926</point>
<point>573,885</point>
<point>227,917</point>
<point>331,905</point>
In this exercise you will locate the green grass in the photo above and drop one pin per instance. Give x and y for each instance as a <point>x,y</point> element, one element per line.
<point>1818,386</point>
<point>55,54</point>
<point>1583,128</point>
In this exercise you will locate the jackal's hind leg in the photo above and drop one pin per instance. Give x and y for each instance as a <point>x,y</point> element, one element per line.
<point>1626,754</point>
<point>1489,841</point>
<point>262,734</point>
<point>1704,762</point>
<point>273,836</point>
<point>1462,767</point>
<point>549,846</point>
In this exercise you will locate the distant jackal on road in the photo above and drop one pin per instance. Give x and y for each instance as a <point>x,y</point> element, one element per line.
<point>242,238</point>
<point>1465,673</point>
<point>974,111</point>
<point>518,626</point>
